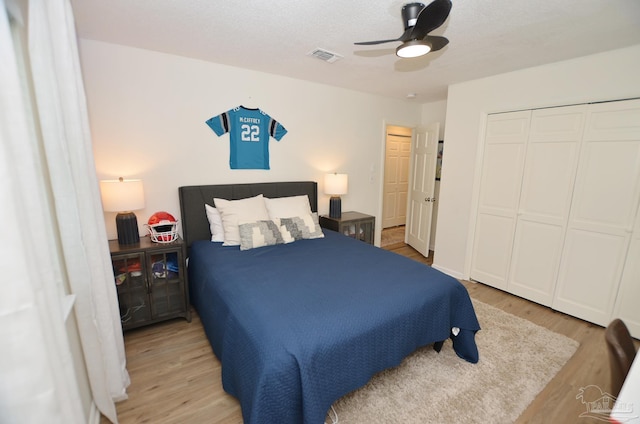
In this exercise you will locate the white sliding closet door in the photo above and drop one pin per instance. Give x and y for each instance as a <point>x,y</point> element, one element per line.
<point>603,211</point>
<point>545,200</point>
<point>502,166</point>
<point>626,307</point>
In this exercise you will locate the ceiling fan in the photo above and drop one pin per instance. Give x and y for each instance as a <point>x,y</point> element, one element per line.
<point>419,21</point>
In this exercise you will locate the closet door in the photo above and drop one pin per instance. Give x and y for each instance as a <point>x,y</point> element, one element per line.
<point>602,214</point>
<point>545,200</point>
<point>396,176</point>
<point>503,162</point>
<point>626,307</point>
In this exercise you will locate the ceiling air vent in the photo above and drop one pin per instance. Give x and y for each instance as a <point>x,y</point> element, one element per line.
<point>325,55</point>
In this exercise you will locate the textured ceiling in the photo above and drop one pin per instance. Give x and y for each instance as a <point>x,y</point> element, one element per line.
<point>486,37</point>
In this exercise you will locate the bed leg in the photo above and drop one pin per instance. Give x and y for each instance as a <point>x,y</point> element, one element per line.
<point>437,346</point>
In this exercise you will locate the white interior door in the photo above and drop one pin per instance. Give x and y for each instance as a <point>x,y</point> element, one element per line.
<point>603,211</point>
<point>396,176</point>
<point>421,193</point>
<point>502,167</point>
<point>545,200</point>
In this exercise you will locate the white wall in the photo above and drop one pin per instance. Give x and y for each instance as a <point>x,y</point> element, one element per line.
<point>435,112</point>
<point>607,76</point>
<point>148,111</point>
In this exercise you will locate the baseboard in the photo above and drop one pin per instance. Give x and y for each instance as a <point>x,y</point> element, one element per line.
<point>94,414</point>
<point>454,274</point>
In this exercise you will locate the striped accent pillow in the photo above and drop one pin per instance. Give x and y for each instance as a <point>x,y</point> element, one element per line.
<point>300,227</point>
<point>259,234</point>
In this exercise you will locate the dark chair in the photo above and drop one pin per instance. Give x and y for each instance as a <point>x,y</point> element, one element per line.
<point>622,351</point>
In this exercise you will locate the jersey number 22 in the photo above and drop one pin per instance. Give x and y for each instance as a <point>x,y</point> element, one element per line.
<point>250,133</point>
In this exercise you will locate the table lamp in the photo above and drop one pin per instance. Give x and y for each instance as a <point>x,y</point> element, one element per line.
<point>335,185</point>
<point>124,196</point>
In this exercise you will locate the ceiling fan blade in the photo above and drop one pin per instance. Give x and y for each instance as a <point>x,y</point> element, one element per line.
<point>370,43</point>
<point>430,18</point>
<point>436,42</point>
<point>403,37</point>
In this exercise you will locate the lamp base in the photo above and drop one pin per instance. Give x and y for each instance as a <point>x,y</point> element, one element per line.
<point>127,225</point>
<point>335,207</point>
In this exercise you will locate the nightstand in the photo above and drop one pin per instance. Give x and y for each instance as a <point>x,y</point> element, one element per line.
<point>151,280</point>
<point>353,224</point>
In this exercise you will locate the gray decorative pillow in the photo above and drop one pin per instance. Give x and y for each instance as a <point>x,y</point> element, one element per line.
<point>259,234</point>
<point>300,227</point>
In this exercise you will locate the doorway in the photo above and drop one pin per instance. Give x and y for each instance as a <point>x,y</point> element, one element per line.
<point>396,184</point>
<point>409,186</point>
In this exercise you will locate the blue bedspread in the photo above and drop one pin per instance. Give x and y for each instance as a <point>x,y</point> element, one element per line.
<point>298,326</point>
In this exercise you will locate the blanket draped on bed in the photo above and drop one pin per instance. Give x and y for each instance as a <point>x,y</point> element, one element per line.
<point>299,325</point>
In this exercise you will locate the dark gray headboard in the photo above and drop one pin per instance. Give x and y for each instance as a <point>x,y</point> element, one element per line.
<point>195,225</point>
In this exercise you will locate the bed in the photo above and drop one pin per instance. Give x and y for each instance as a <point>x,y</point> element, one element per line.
<point>297,326</point>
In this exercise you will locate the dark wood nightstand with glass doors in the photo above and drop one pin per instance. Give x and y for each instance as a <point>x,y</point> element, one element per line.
<point>151,280</point>
<point>352,224</point>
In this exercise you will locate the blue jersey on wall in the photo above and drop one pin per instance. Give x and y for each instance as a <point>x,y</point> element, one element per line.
<point>249,131</point>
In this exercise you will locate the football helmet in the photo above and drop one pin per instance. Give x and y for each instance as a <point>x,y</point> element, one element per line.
<point>163,227</point>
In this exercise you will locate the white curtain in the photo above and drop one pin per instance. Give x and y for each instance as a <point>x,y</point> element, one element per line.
<point>53,230</point>
<point>64,121</point>
<point>37,381</point>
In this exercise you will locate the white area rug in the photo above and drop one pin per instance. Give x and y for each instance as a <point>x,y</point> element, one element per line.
<point>517,360</point>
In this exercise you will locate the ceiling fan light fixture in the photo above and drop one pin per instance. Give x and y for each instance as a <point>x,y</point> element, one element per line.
<point>413,48</point>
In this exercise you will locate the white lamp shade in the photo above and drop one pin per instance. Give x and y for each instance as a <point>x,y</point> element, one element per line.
<point>122,195</point>
<point>336,184</point>
<point>413,48</point>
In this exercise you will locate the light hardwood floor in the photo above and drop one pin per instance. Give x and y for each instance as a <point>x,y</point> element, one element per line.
<point>175,378</point>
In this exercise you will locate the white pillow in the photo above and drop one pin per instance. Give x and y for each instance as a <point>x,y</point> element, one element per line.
<point>287,207</point>
<point>215,223</point>
<point>234,211</point>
